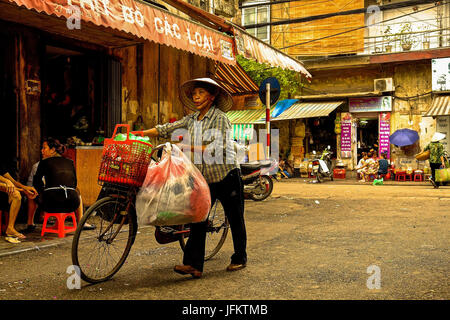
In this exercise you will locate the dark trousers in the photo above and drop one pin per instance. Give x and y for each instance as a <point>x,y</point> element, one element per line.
<point>433,167</point>
<point>230,192</point>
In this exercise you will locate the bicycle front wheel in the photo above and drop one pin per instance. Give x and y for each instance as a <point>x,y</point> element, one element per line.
<point>101,252</point>
<point>216,231</point>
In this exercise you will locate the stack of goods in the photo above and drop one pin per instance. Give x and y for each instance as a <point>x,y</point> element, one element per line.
<point>297,149</point>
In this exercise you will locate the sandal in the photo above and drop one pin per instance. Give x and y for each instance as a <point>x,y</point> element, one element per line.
<point>12,239</point>
<point>16,235</point>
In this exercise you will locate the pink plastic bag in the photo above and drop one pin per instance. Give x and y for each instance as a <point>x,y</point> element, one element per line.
<point>174,191</point>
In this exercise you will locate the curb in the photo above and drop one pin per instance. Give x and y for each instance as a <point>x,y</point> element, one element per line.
<point>31,248</point>
<point>354,182</point>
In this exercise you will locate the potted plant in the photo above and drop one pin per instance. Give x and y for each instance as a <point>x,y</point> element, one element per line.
<point>388,38</point>
<point>426,37</point>
<point>406,38</point>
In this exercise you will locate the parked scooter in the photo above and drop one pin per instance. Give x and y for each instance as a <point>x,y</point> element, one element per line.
<point>322,167</point>
<point>258,183</point>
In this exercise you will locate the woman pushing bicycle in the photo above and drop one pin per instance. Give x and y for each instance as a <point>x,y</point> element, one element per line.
<point>209,125</point>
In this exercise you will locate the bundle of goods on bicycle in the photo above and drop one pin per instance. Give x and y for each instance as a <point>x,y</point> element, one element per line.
<point>125,159</point>
<point>174,192</point>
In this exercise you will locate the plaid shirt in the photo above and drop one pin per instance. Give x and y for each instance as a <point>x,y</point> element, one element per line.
<point>203,133</point>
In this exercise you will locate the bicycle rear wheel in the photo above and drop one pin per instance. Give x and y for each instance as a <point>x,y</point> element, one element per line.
<point>216,231</point>
<point>101,252</point>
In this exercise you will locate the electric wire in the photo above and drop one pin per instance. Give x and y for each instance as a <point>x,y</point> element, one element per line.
<point>366,47</point>
<point>346,28</point>
<point>362,27</point>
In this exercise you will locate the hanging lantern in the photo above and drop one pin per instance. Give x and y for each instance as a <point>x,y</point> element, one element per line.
<point>316,122</point>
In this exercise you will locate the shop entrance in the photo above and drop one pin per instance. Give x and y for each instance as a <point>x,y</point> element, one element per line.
<point>367,134</point>
<point>81,95</point>
<point>320,134</point>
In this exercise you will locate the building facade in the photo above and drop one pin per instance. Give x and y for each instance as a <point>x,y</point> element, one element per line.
<point>382,64</point>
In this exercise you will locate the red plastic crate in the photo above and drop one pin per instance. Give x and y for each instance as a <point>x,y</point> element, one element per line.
<point>124,162</point>
<point>339,173</point>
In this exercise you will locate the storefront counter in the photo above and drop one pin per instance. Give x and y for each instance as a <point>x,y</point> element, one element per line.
<point>87,164</point>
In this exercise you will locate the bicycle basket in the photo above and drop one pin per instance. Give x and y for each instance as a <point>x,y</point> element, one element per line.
<point>124,162</point>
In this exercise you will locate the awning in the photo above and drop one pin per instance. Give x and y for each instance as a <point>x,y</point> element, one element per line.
<point>234,79</point>
<point>246,116</point>
<point>253,48</point>
<point>282,106</point>
<point>279,108</point>
<point>439,107</point>
<point>301,110</point>
<point>242,132</point>
<point>138,19</point>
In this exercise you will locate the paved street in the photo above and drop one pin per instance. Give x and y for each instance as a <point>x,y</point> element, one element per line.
<point>307,241</point>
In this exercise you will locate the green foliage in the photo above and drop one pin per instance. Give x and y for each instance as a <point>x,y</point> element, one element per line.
<point>290,81</point>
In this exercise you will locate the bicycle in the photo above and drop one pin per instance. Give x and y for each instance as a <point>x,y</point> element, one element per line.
<point>100,253</point>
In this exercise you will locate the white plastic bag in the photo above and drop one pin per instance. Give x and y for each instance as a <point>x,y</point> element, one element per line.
<point>174,191</point>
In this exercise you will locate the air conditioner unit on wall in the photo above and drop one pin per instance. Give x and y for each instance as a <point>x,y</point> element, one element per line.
<point>383,85</point>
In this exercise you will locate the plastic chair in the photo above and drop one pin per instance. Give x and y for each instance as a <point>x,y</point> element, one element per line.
<point>60,228</point>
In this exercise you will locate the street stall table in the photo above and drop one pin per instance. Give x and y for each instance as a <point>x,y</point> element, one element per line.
<point>87,164</point>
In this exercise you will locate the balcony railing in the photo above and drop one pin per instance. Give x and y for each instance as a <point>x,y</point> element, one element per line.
<point>408,41</point>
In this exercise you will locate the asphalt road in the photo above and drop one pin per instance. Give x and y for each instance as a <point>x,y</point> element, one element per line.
<point>307,241</point>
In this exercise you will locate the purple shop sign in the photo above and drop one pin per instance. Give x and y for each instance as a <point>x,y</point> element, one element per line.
<point>346,139</point>
<point>384,124</point>
<point>370,104</point>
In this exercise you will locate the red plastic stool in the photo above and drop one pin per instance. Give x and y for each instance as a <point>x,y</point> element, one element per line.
<point>418,177</point>
<point>60,227</point>
<point>400,176</point>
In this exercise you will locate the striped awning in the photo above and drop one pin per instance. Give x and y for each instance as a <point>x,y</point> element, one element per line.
<point>439,107</point>
<point>234,79</point>
<point>242,132</point>
<point>246,116</point>
<point>308,110</point>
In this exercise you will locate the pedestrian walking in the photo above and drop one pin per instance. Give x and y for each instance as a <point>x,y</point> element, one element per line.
<point>210,102</point>
<point>436,149</point>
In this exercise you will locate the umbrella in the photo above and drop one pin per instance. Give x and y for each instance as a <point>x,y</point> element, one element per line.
<point>404,137</point>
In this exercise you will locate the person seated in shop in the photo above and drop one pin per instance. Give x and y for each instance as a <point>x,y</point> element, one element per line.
<point>370,168</point>
<point>12,189</point>
<point>383,164</point>
<point>32,203</point>
<point>56,181</point>
<point>361,164</point>
<point>80,122</point>
<point>285,169</point>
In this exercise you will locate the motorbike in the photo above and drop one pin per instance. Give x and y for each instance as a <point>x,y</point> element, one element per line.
<point>322,167</point>
<point>256,176</point>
